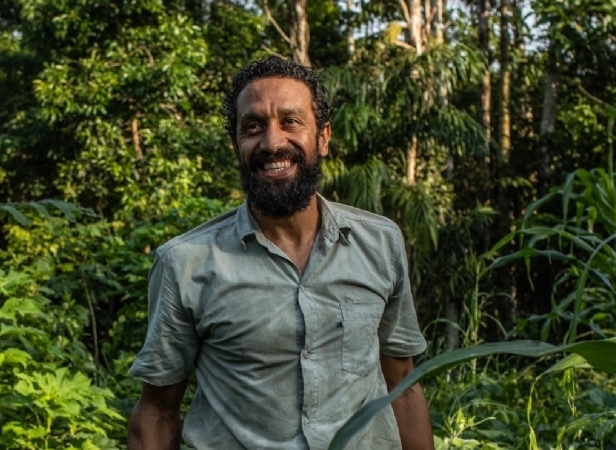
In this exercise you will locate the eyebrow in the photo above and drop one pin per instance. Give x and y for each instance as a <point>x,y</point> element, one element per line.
<point>288,111</point>
<point>255,115</point>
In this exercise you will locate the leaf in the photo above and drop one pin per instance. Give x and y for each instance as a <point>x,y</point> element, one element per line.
<point>527,253</point>
<point>16,214</point>
<point>538,204</point>
<point>66,208</point>
<point>443,361</point>
<point>41,210</point>
<point>600,354</point>
<point>566,193</point>
<point>14,356</point>
<point>571,361</point>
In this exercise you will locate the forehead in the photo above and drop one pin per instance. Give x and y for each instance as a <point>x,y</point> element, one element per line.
<point>273,94</point>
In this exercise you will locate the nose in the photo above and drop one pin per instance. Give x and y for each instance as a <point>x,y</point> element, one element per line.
<point>273,139</point>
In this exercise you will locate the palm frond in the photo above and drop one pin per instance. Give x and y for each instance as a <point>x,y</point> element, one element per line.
<point>334,170</point>
<point>362,186</point>
<point>21,211</point>
<point>413,209</point>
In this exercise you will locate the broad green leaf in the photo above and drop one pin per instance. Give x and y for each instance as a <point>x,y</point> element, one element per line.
<point>14,356</point>
<point>443,361</point>
<point>600,354</point>
<point>571,361</point>
<point>16,214</point>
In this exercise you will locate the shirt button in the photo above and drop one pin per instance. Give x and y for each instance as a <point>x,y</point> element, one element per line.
<point>301,288</point>
<point>306,354</point>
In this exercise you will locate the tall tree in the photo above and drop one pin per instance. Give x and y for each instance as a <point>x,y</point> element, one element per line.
<point>411,10</point>
<point>122,104</point>
<point>485,86</point>
<point>505,83</point>
<point>548,119</point>
<point>350,31</point>
<point>300,33</point>
<point>298,36</point>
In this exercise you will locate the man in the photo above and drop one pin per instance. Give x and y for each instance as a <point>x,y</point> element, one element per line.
<point>292,311</point>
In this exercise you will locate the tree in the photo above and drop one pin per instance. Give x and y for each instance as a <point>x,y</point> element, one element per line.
<point>322,42</point>
<point>485,87</point>
<point>124,103</point>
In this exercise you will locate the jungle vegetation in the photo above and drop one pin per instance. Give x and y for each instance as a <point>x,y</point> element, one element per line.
<point>483,128</point>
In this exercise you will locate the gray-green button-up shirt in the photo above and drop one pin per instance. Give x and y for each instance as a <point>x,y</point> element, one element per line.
<point>282,359</point>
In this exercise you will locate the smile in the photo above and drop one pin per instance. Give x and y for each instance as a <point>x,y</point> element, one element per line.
<point>276,166</point>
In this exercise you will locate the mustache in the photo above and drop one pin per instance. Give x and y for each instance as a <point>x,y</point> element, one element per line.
<point>257,159</point>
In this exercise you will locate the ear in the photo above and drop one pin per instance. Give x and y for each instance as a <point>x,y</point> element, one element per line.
<point>324,135</point>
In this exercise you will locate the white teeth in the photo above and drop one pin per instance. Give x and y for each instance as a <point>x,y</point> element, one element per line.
<point>276,166</point>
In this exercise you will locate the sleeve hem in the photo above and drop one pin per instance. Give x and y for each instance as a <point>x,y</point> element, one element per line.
<point>413,349</point>
<point>158,380</point>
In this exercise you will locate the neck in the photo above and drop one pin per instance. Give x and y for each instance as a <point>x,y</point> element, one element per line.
<point>301,227</point>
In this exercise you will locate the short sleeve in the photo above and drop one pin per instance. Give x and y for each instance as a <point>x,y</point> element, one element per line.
<point>399,333</point>
<point>172,342</point>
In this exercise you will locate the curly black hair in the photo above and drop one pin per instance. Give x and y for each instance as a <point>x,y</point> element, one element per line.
<point>274,67</point>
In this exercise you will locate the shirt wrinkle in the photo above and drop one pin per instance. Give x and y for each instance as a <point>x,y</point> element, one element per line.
<point>282,360</point>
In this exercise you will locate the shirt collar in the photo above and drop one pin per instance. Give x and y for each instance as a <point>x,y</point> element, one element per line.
<point>333,224</point>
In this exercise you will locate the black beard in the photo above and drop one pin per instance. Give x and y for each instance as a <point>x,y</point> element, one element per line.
<point>281,198</point>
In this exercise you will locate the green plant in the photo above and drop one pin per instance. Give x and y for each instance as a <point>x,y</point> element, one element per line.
<point>46,402</point>
<point>597,353</point>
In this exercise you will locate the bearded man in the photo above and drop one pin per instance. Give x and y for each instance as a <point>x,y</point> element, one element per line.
<point>293,311</point>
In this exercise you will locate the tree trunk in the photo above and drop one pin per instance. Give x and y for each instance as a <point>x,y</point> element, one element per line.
<point>441,6</point>
<point>411,161</point>
<point>505,84</point>
<point>300,33</point>
<point>452,316</point>
<point>427,29</point>
<point>506,276</point>
<point>413,29</point>
<point>443,97</point>
<point>350,33</point>
<point>412,14</point>
<point>548,121</point>
<point>485,88</point>
<point>485,94</point>
<point>134,128</point>
<point>450,303</point>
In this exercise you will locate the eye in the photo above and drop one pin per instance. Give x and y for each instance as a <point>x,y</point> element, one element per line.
<point>252,128</point>
<point>291,121</point>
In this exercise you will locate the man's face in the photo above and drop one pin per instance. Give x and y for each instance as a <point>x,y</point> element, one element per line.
<point>279,146</point>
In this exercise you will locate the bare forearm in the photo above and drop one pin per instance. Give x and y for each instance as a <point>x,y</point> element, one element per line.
<point>148,429</point>
<point>413,418</point>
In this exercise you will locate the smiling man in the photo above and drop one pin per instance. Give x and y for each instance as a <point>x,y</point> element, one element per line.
<point>292,311</point>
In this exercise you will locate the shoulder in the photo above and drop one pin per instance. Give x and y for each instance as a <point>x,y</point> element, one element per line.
<point>359,218</point>
<point>375,239</point>
<point>199,237</point>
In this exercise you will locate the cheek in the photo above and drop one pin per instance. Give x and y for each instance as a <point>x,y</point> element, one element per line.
<point>243,153</point>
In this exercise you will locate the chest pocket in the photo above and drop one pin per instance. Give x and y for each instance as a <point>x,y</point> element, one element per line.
<point>360,347</point>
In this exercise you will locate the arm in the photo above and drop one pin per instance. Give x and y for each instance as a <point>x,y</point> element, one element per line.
<point>155,421</point>
<point>411,408</point>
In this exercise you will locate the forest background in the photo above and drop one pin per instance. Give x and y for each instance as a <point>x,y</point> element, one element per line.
<point>483,128</point>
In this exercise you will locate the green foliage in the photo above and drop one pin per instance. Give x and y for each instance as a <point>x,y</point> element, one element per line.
<point>111,143</point>
<point>490,408</point>
<point>122,104</point>
<point>69,210</point>
<point>597,353</point>
<point>45,400</point>
<point>583,242</point>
